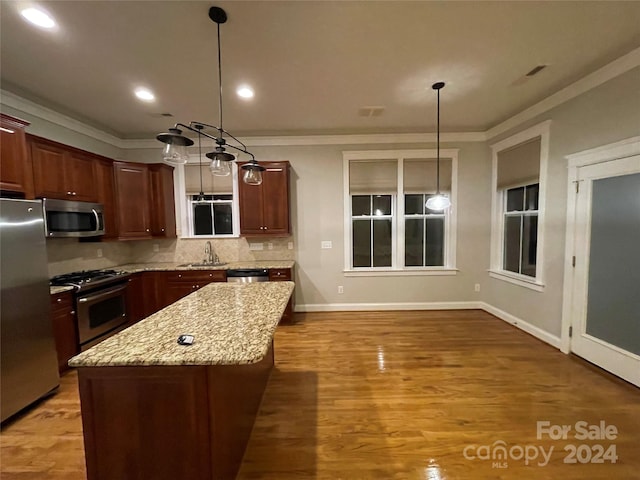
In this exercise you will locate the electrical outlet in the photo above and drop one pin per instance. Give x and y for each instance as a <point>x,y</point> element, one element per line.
<point>99,252</point>
<point>256,246</point>
<point>290,245</point>
<point>156,247</point>
<point>477,287</point>
<point>326,244</point>
<point>340,289</point>
<point>269,246</point>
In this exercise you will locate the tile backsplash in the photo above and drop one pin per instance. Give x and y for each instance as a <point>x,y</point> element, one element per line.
<point>68,255</point>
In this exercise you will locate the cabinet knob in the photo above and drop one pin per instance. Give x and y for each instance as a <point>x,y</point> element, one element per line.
<point>179,275</point>
<point>147,229</point>
<point>72,312</point>
<point>74,193</point>
<point>162,229</point>
<point>59,300</point>
<point>68,193</point>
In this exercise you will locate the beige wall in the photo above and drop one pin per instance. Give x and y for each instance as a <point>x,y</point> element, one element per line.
<point>606,114</point>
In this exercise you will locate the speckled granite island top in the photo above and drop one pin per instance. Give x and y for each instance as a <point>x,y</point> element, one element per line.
<point>163,266</point>
<point>232,324</point>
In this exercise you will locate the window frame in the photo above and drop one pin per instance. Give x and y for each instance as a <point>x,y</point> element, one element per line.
<point>398,240</point>
<point>498,207</point>
<point>183,205</point>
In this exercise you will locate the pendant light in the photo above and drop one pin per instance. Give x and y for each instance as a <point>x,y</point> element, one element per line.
<point>176,144</point>
<point>200,197</point>
<point>438,202</point>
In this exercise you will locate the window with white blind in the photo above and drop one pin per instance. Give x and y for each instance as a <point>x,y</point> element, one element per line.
<point>214,215</point>
<point>388,229</point>
<point>519,167</point>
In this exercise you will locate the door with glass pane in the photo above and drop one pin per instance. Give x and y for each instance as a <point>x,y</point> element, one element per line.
<point>606,296</point>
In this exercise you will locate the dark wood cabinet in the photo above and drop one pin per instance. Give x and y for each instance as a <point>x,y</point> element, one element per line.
<point>162,201</point>
<point>16,174</point>
<point>105,191</point>
<point>62,172</point>
<point>65,328</point>
<point>180,283</point>
<point>264,209</point>
<point>142,296</point>
<point>132,200</point>
<point>284,275</point>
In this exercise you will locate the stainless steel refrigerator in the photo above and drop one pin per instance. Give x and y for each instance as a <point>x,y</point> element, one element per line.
<point>28,357</point>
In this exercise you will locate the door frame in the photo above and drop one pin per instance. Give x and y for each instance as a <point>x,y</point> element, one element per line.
<point>605,153</point>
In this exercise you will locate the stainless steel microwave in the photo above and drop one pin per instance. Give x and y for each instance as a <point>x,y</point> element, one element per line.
<point>64,218</point>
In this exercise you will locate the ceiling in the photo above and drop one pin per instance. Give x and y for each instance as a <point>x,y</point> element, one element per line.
<point>313,64</point>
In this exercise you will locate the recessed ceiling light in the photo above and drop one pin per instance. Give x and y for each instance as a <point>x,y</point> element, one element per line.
<point>145,94</point>
<point>245,92</point>
<point>39,18</point>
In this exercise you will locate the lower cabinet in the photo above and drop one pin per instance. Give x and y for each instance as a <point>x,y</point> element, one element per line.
<point>284,275</point>
<point>142,296</point>
<point>178,284</point>
<point>65,328</point>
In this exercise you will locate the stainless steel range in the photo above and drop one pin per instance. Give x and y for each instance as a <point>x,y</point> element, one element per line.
<point>100,302</point>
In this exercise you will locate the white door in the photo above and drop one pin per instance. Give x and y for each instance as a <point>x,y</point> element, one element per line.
<point>606,298</point>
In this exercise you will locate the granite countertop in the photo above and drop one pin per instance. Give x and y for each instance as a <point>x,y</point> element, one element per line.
<point>163,266</point>
<point>232,324</point>
<point>60,289</point>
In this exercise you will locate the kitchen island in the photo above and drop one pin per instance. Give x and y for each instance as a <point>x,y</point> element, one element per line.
<point>154,409</point>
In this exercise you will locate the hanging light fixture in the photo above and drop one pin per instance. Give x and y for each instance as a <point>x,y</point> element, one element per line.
<point>200,197</point>
<point>438,202</point>
<point>176,143</point>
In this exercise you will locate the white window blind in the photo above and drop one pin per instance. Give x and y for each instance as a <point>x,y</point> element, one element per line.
<point>210,183</point>
<point>520,164</point>
<point>366,178</point>
<point>420,175</point>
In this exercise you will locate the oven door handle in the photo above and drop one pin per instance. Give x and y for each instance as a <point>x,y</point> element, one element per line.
<point>103,294</point>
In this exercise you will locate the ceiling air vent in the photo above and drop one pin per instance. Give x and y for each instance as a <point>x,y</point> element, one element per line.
<point>370,111</point>
<point>161,115</point>
<point>536,70</point>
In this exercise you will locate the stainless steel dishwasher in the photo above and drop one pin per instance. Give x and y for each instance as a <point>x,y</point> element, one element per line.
<point>248,275</point>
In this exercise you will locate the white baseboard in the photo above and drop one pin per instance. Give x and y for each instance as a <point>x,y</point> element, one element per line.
<point>522,325</point>
<point>363,307</point>
<point>501,314</point>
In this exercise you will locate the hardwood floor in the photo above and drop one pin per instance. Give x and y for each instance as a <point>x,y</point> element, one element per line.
<point>392,395</point>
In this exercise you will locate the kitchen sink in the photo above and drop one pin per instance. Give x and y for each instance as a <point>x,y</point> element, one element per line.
<point>203,264</point>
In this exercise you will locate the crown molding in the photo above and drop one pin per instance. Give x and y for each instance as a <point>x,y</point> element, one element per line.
<point>612,70</point>
<point>27,106</point>
<point>604,74</point>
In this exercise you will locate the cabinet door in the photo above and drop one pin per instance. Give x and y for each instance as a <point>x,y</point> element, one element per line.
<point>48,171</point>
<point>163,212</point>
<point>250,201</point>
<point>65,330</point>
<point>79,176</point>
<point>135,298</point>
<point>16,174</point>
<point>132,200</point>
<point>105,192</point>
<point>275,198</point>
<point>283,275</point>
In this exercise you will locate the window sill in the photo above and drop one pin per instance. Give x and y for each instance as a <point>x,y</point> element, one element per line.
<point>378,272</point>
<point>207,237</point>
<point>516,279</point>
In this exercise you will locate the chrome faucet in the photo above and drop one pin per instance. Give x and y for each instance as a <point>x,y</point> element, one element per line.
<point>208,251</point>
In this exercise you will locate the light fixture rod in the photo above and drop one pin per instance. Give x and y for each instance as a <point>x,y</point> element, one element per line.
<point>220,76</point>
<point>438,147</point>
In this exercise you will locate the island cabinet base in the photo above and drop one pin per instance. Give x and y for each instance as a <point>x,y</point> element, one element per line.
<point>169,422</point>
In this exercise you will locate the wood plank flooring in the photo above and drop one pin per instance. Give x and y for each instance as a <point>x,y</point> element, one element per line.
<point>392,395</point>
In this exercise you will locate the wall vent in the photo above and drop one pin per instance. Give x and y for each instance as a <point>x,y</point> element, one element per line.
<point>536,70</point>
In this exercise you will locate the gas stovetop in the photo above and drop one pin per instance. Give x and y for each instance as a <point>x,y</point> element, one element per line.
<point>86,279</point>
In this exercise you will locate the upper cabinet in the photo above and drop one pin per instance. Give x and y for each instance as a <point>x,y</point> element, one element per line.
<point>105,191</point>
<point>162,202</point>
<point>264,209</point>
<point>62,172</point>
<point>132,200</point>
<point>144,200</point>
<point>16,176</point>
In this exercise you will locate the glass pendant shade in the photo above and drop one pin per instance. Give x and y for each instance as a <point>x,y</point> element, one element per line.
<point>220,168</point>
<point>252,177</point>
<point>175,154</point>
<point>438,202</point>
